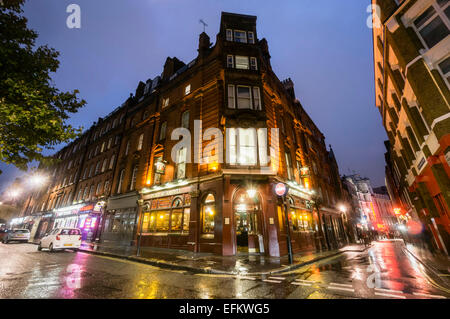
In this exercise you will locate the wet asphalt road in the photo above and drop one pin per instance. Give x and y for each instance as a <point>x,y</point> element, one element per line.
<point>383,271</point>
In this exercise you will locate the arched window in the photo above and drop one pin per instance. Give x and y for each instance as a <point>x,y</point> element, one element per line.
<point>208,212</point>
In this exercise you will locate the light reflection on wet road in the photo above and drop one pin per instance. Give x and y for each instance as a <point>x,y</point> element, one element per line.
<point>383,271</point>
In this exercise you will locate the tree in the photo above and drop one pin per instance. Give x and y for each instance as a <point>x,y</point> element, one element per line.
<point>33,113</point>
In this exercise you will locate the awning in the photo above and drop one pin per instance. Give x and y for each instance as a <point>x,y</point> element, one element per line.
<point>122,201</point>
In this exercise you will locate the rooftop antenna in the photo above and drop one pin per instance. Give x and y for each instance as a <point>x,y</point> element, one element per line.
<point>204,24</point>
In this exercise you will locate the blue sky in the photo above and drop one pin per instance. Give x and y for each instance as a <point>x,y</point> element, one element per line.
<point>324,46</point>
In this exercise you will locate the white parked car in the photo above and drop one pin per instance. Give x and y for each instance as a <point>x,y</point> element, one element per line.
<point>61,238</point>
<point>17,235</point>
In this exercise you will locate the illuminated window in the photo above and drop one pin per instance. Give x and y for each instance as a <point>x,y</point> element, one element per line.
<point>242,146</point>
<point>187,89</point>
<point>242,62</point>
<point>181,163</point>
<point>133,178</point>
<point>111,161</point>
<point>105,163</point>
<point>207,214</point>
<point>165,102</point>
<point>287,156</point>
<point>140,142</point>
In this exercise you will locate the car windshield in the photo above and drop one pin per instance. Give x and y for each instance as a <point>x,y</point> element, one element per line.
<point>21,231</point>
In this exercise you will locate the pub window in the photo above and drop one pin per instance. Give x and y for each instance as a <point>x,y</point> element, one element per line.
<point>176,216</point>
<point>185,119</point>
<point>231,97</point>
<point>229,35</point>
<point>251,37</point>
<point>140,142</point>
<point>162,132</point>
<point>230,61</point>
<point>432,25</point>
<point>244,99</point>
<point>240,36</point>
<point>208,212</point>
<point>121,177</point>
<point>253,63</point>
<point>133,178</point>
<point>242,62</point>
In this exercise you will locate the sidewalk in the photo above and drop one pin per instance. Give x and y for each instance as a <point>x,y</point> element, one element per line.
<point>437,263</point>
<point>244,264</point>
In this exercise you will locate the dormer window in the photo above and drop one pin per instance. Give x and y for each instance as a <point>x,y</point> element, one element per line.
<point>251,38</point>
<point>240,36</point>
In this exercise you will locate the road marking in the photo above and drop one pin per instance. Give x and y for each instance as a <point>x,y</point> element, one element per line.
<point>272,281</point>
<point>277,278</point>
<point>246,277</point>
<point>427,295</point>
<point>341,288</point>
<point>301,284</point>
<point>389,295</point>
<point>343,285</point>
<point>389,290</point>
<point>302,280</point>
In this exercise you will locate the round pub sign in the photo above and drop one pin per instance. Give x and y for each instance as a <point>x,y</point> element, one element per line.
<point>280,189</point>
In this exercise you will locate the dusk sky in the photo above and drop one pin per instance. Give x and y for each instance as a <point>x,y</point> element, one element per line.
<point>324,46</point>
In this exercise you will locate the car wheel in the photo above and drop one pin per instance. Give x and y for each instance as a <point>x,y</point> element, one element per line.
<point>51,247</point>
<point>75,250</point>
<point>39,247</point>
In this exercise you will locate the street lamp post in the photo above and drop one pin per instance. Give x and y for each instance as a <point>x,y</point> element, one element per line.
<point>281,191</point>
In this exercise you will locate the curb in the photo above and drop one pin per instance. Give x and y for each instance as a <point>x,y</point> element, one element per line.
<point>208,270</point>
<point>432,269</point>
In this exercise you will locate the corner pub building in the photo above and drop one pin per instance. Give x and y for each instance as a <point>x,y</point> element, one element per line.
<point>225,207</point>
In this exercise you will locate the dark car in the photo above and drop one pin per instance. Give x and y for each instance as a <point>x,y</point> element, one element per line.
<point>3,233</point>
<point>17,235</point>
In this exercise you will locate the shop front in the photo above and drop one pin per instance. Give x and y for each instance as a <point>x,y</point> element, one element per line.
<point>83,216</point>
<point>120,220</point>
<point>303,223</point>
<point>165,219</point>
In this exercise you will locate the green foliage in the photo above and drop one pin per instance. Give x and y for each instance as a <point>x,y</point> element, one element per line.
<point>33,113</point>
